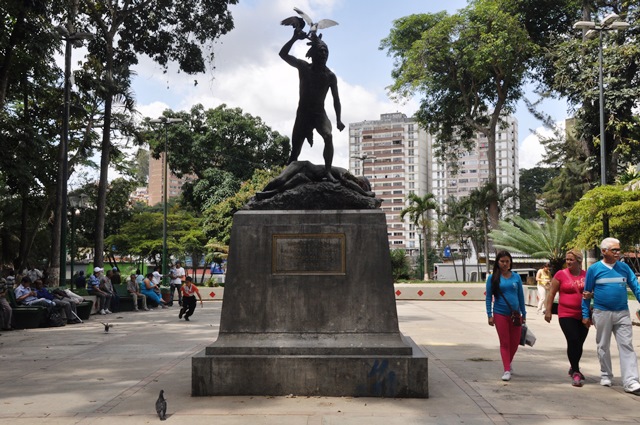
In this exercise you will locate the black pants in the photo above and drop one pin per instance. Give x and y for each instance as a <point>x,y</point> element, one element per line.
<point>575,333</point>
<point>188,306</point>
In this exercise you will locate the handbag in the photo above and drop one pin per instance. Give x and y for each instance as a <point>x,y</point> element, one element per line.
<point>516,317</point>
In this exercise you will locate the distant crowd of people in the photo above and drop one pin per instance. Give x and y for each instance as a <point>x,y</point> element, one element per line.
<point>31,288</point>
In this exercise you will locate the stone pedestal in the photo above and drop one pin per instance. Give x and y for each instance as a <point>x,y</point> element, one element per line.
<point>309,309</point>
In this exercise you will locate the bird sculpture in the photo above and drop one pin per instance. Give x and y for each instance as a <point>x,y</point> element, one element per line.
<point>106,327</point>
<point>161,406</point>
<point>297,22</point>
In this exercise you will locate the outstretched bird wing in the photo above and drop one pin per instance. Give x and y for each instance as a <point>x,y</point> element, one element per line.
<point>295,21</point>
<point>326,23</point>
<point>304,16</point>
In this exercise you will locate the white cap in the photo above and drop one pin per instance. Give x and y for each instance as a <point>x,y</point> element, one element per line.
<point>98,270</point>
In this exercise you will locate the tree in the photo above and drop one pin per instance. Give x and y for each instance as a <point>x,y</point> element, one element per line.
<point>575,76</point>
<point>619,203</point>
<point>456,228</point>
<point>479,200</point>
<point>418,211</point>
<point>162,29</point>
<point>218,218</point>
<point>221,147</point>
<point>550,240</point>
<point>399,264</point>
<point>469,67</point>
<point>532,182</point>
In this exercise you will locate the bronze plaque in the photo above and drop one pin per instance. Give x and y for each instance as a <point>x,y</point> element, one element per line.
<point>308,254</point>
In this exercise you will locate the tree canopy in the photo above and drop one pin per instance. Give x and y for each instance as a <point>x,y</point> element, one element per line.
<point>222,147</point>
<point>619,203</point>
<point>469,68</point>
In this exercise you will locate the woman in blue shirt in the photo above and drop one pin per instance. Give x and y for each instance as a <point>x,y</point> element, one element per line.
<point>504,294</point>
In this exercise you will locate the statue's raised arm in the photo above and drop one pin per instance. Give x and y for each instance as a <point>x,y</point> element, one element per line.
<point>315,82</point>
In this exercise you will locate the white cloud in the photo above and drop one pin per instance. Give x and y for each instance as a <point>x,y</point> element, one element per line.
<point>531,151</point>
<point>249,74</point>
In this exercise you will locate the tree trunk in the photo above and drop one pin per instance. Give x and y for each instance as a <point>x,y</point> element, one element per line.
<point>425,254</point>
<point>104,160</point>
<point>485,225</point>
<point>494,212</point>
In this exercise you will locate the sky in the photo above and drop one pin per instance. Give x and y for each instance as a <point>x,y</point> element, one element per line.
<point>248,73</point>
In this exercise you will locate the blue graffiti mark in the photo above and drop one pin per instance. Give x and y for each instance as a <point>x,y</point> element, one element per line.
<point>381,382</point>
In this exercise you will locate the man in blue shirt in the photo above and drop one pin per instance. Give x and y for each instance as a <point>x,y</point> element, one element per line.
<point>606,282</point>
<point>93,287</point>
<point>27,296</point>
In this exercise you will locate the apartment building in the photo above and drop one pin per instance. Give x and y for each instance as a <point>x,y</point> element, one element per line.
<point>473,166</point>
<point>156,181</point>
<point>394,154</point>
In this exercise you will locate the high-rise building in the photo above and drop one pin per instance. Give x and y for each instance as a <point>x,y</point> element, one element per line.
<point>397,157</point>
<point>473,166</point>
<point>156,181</point>
<point>394,154</point>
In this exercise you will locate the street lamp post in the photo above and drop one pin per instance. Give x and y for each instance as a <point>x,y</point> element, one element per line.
<point>72,38</point>
<point>611,22</point>
<point>165,122</point>
<point>76,202</point>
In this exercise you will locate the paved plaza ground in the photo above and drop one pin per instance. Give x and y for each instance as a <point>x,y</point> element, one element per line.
<point>80,375</point>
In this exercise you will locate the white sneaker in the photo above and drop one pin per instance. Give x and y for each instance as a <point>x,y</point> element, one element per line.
<point>107,311</point>
<point>103,312</point>
<point>506,376</point>
<point>633,388</point>
<point>146,309</point>
<point>605,382</point>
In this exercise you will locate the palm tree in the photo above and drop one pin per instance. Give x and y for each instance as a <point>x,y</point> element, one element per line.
<point>549,240</point>
<point>479,200</point>
<point>418,211</point>
<point>455,228</point>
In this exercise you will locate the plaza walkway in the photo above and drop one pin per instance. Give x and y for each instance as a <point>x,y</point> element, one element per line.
<point>80,375</point>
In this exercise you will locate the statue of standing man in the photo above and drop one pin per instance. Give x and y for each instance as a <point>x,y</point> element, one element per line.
<point>315,81</point>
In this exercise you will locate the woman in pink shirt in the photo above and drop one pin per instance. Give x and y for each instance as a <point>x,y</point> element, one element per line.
<point>569,282</point>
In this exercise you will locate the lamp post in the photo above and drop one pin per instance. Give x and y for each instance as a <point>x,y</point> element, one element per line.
<point>72,38</point>
<point>165,122</point>
<point>76,202</point>
<point>611,22</point>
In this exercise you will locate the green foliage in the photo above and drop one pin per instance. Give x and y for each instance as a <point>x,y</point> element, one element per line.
<point>469,69</point>
<point>620,204</point>
<point>399,264</point>
<point>563,191</point>
<point>142,236</point>
<point>418,211</point>
<point>221,147</point>
<point>575,76</point>
<point>219,218</point>
<point>532,182</point>
<point>550,240</point>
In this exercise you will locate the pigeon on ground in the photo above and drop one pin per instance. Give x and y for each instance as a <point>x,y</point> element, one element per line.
<point>161,406</point>
<point>106,326</point>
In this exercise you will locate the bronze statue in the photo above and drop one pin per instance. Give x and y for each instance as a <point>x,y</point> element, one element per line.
<point>299,173</point>
<point>315,81</point>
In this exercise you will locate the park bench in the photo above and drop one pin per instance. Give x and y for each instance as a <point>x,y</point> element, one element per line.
<point>126,300</point>
<point>24,316</point>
